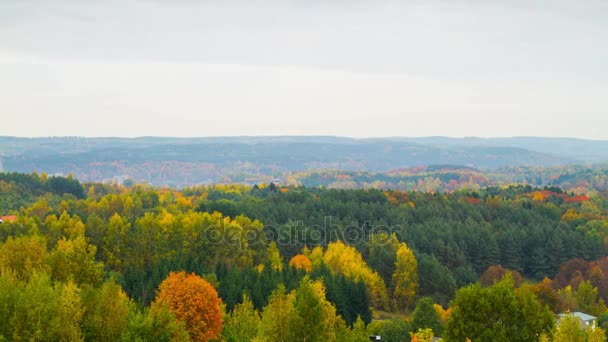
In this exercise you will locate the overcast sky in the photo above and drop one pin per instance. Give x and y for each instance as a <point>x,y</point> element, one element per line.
<point>307,67</point>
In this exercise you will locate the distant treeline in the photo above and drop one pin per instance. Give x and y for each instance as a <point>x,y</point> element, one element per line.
<point>185,162</point>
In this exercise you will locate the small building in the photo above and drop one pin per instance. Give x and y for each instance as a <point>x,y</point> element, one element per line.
<point>10,218</point>
<point>586,320</point>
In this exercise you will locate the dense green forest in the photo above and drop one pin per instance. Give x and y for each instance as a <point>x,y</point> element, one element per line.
<point>275,263</point>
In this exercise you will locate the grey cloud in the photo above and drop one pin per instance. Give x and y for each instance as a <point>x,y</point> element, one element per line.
<point>527,65</point>
<point>457,39</point>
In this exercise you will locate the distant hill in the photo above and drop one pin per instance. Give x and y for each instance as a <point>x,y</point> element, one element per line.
<point>580,150</point>
<point>187,161</point>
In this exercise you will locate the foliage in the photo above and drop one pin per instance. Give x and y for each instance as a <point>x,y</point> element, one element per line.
<point>243,322</point>
<point>107,312</point>
<point>346,260</point>
<point>91,264</point>
<point>405,278</point>
<point>435,279</point>
<point>391,330</point>
<point>497,313</point>
<point>309,321</point>
<point>193,301</point>
<point>75,260</point>
<point>302,262</point>
<point>495,273</point>
<point>382,253</point>
<point>423,335</point>
<point>425,316</point>
<point>571,329</point>
<point>276,316</point>
<point>546,294</point>
<point>24,256</point>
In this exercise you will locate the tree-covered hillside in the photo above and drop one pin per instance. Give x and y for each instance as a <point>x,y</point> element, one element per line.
<point>268,262</point>
<point>188,161</point>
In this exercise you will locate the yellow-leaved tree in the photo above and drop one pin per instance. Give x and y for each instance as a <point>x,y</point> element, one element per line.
<point>405,278</point>
<point>275,257</point>
<point>346,260</point>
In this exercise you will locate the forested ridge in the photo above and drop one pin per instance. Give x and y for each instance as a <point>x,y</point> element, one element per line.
<point>421,164</point>
<point>275,263</point>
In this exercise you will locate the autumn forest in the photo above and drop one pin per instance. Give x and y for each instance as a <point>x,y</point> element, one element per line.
<point>268,262</point>
<point>303,171</point>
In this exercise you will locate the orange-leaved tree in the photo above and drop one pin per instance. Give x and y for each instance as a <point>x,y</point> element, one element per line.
<point>301,261</point>
<point>193,301</point>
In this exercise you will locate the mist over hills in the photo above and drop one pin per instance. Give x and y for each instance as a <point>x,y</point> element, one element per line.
<point>187,161</point>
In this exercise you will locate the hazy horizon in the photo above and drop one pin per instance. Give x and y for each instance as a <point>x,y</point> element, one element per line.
<point>312,136</point>
<point>296,136</point>
<point>363,69</point>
